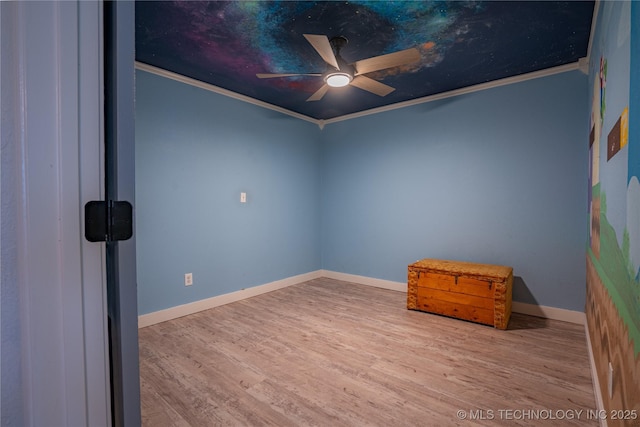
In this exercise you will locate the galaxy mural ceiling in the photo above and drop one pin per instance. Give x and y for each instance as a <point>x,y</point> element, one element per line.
<point>459,44</point>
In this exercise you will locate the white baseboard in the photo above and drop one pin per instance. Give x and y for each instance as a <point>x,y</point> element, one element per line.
<point>363,280</point>
<point>594,377</point>
<point>205,304</point>
<point>562,314</point>
<point>554,313</point>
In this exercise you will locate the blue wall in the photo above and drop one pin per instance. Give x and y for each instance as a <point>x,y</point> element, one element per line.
<point>195,152</point>
<point>496,176</point>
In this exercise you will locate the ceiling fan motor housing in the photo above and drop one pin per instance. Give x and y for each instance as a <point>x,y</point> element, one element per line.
<point>338,42</point>
<point>345,72</point>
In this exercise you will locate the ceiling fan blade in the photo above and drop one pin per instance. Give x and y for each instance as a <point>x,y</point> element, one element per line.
<point>389,60</point>
<point>317,96</point>
<point>271,76</point>
<point>321,44</point>
<point>371,85</point>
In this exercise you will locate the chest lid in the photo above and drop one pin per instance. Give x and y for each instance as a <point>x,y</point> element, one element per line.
<point>461,268</point>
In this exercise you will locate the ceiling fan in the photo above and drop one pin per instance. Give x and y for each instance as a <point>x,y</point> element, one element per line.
<point>339,73</point>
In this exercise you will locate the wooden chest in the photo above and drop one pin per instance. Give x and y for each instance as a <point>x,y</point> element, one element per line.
<point>477,292</point>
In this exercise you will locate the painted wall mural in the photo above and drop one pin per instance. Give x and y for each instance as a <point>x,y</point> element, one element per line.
<point>613,253</point>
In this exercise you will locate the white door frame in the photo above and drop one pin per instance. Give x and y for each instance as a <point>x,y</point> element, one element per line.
<point>122,296</point>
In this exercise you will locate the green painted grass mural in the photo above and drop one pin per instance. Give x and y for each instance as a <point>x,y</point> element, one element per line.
<point>614,268</point>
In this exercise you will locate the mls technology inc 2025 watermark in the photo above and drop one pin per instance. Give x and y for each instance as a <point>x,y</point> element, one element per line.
<point>546,414</point>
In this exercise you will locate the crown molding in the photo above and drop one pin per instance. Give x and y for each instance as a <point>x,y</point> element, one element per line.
<point>462,91</point>
<point>594,22</point>
<point>578,65</point>
<point>216,89</point>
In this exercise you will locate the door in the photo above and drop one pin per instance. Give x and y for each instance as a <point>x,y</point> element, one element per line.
<point>55,331</point>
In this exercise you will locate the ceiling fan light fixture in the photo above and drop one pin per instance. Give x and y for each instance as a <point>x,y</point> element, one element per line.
<point>338,79</point>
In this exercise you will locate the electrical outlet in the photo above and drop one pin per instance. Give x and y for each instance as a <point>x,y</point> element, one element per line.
<point>243,197</point>
<point>188,279</point>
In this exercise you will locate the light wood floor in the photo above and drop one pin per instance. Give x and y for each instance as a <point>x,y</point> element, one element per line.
<point>331,353</point>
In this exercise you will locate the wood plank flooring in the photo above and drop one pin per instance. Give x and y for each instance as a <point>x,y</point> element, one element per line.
<point>332,353</point>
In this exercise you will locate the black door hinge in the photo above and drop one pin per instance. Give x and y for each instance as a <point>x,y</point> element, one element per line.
<point>108,221</point>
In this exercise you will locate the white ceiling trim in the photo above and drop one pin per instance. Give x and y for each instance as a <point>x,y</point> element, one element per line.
<point>206,86</point>
<point>594,22</point>
<point>321,123</point>
<point>470,89</point>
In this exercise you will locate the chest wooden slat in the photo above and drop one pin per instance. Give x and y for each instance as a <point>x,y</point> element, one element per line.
<point>476,292</point>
